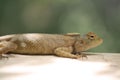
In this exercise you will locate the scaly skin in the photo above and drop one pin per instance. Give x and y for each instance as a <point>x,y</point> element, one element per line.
<point>60,45</point>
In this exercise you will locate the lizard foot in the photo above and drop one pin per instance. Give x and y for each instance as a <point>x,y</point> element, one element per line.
<point>82,55</point>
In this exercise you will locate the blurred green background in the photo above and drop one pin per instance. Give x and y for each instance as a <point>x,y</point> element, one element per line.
<point>64,16</point>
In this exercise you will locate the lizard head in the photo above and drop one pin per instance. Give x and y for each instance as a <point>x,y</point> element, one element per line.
<point>88,41</point>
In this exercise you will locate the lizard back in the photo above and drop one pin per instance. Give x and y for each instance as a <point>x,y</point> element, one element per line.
<point>40,43</point>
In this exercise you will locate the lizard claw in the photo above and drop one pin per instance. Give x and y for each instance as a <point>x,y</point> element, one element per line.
<point>78,56</point>
<point>81,55</point>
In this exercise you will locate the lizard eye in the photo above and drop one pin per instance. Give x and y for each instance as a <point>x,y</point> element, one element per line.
<point>92,37</point>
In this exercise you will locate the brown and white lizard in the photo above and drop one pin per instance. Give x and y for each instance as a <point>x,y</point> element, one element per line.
<point>60,45</point>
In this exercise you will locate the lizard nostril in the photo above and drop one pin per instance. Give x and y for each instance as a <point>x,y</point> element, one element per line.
<point>101,40</point>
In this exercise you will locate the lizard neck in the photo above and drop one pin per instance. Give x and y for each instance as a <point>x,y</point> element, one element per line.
<point>73,46</point>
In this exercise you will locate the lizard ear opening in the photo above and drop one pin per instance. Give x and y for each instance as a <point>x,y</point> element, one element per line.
<point>81,43</point>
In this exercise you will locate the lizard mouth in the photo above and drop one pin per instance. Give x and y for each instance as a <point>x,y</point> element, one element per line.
<point>95,43</point>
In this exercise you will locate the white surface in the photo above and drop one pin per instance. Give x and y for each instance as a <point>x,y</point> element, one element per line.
<point>23,67</point>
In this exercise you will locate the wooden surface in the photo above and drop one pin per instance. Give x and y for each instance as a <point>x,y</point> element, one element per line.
<point>101,66</point>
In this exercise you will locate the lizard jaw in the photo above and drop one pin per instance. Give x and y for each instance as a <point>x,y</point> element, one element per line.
<point>96,43</point>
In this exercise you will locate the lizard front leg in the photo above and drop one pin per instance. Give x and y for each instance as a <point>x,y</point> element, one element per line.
<point>65,52</point>
<point>5,47</point>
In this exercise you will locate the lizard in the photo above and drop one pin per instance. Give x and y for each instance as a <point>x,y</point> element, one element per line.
<point>62,45</point>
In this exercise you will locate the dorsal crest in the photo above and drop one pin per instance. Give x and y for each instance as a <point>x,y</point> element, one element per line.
<point>73,34</point>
